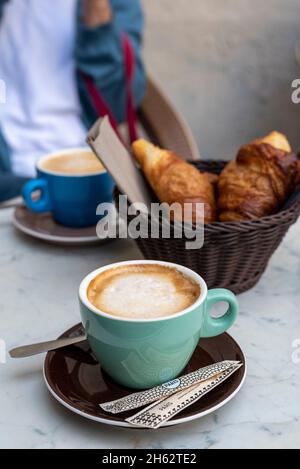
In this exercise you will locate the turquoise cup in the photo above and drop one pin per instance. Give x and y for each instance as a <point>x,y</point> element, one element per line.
<point>142,353</point>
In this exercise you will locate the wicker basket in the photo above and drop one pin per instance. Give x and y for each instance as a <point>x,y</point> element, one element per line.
<point>235,254</point>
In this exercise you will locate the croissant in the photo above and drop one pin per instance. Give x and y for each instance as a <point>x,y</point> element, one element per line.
<point>175,180</point>
<point>258,182</point>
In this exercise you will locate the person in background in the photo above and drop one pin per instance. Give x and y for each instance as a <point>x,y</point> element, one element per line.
<point>46,50</point>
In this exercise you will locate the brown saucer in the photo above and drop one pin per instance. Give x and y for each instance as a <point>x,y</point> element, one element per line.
<point>43,226</point>
<point>74,377</point>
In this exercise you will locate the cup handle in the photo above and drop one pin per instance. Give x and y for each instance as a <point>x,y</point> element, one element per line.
<point>42,204</point>
<point>216,326</point>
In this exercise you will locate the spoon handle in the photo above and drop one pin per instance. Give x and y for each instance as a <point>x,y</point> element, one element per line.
<point>12,203</point>
<point>42,347</point>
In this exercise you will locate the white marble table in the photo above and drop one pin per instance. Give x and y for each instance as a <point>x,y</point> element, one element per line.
<point>39,300</point>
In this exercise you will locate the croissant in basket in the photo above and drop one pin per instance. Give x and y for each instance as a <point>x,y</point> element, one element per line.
<point>175,180</point>
<point>259,181</point>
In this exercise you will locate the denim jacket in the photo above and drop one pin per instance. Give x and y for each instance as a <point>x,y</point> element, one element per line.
<point>98,54</point>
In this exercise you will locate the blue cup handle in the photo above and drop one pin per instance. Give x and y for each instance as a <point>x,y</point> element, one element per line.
<point>216,326</point>
<point>42,204</point>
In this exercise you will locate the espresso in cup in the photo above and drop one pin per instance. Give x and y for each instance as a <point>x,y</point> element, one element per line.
<point>84,162</point>
<point>142,291</point>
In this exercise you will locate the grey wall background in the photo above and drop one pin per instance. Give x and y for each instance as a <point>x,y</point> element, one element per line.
<point>228,66</point>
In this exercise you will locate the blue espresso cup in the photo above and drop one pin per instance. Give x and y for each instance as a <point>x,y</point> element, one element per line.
<point>72,198</point>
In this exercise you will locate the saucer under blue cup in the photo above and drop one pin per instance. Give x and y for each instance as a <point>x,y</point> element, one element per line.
<point>72,199</point>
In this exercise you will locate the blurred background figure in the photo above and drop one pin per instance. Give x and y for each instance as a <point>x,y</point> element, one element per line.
<point>50,51</point>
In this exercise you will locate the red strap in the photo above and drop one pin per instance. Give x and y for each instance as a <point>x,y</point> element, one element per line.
<point>102,107</point>
<point>99,103</point>
<point>129,73</point>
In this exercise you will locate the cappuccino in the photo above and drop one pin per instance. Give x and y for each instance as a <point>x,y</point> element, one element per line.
<point>142,291</point>
<point>77,163</point>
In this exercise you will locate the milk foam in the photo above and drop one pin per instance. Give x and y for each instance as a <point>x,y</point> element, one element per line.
<point>142,291</point>
<point>73,163</point>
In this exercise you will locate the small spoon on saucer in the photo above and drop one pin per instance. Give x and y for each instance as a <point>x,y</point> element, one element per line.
<point>18,201</point>
<point>12,203</point>
<point>43,347</point>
